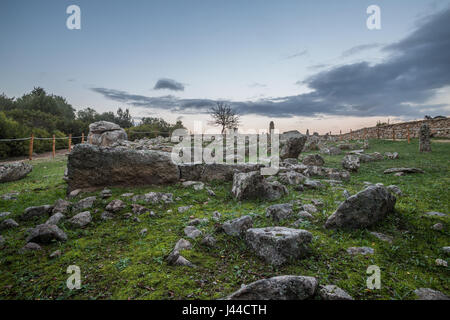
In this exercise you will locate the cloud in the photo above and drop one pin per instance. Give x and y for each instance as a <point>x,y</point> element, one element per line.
<point>257,85</point>
<point>358,49</point>
<point>168,84</point>
<point>295,55</point>
<point>401,85</point>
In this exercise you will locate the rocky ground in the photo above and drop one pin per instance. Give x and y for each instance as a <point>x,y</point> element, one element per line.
<point>204,240</point>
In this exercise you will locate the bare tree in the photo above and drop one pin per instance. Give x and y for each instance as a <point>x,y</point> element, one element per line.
<point>224,116</point>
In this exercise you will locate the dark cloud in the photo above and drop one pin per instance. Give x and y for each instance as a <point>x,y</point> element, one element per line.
<point>400,86</point>
<point>168,84</point>
<point>360,48</point>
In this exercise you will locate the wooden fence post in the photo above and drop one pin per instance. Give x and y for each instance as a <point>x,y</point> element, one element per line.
<point>70,142</point>
<point>31,147</point>
<point>82,137</point>
<point>54,147</point>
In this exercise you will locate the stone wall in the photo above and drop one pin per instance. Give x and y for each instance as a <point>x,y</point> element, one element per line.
<point>439,128</point>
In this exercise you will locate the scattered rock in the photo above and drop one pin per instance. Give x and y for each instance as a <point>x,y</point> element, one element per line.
<point>310,208</point>
<point>55,254</point>
<point>196,222</point>
<point>346,194</point>
<point>138,209</point>
<point>391,156</point>
<point>278,288</point>
<point>430,294</point>
<point>313,160</point>
<point>184,209</point>
<point>154,198</point>
<point>210,192</point>
<point>360,250</point>
<point>4,214</point>
<point>216,215</point>
<point>14,171</point>
<point>435,214</point>
<point>84,204</point>
<point>278,212</point>
<point>81,220</point>
<point>238,226</point>
<point>197,185</point>
<point>305,215</point>
<point>252,185</point>
<point>106,215</point>
<point>127,195</point>
<point>395,190</point>
<point>292,178</point>
<point>291,144</point>
<point>74,193</point>
<point>209,241</point>
<point>8,224</point>
<point>332,292</point>
<point>312,184</point>
<point>61,206</point>
<point>56,219</point>
<point>446,250</point>
<point>143,232</point>
<point>36,212</point>
<point>382,237</point>
<point>351,162</point>
<point>438,227</point>
<point>104,133</point>
<point>46,233</point>
<point>276,245</point>
<point>182,244</point>
<point>192,232</point>
<point>116,206</point>
<point>363,209</point>
<point>441,263</point>
<point>403,170</point>
<point>105,194</point>
<point>176,259</point>
<point>31,246</point>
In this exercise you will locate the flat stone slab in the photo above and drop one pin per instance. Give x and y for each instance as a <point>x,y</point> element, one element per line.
<point>276,245</point>
<point>404,170</point>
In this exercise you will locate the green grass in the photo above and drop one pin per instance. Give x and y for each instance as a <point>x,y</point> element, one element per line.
<point>118,263</point>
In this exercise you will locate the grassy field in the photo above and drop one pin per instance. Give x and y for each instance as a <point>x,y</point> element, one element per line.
<point>116,262</point>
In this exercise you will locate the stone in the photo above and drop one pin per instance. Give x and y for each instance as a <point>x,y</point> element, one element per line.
<point>216,215</point>
<point>438,227</point>
<point>395,190</point>
<point>363,209</point>
<point>197,185</point>
<point>277,245</point>
<point>310,208</point>
<point>292,178</point>
<point>10,196</point>
<point>14,171</point>
<point>61,206</point>
<point>46,233</point>
<point>81,220</point>
<point>360,250</point>
<point>305,215</point>
<point>351,162</point>
<point>424,138</point>
<point>55,254</point>
<point>317,202</point>
<point>8,224</point>
<point>182,244</point>
<point>154,198</point>
<point>403,170</point>
<point>286,287</point>
<point>313,160</point>
<point>291,144</point>
<point>382,237</point>
<point>184,209</point>
<point>176,259</point>
<point>291,161</point>
<point>36,212</point>
<point>391,155</point>
<point>31,246</point>
<point>4,214</point>
<point>127,195</point>
<point>91,166</point>
<point>197,221</point>
<point>106,215</point>
<point>441,263</point>
<point>435,214</point>
<point>209,172</point>
<point>210,192</point>
<point>138,209</point>
<point>56,219</point>
<point>332,292</point>
<point>346,194</point>
<point>104,133</point>
<point>74,193</point>
<point>430,294</point>
<point>446,250</point>
<point>84,204</point>
<point>238,226</point>
<point>143,232</point>
<point>312,184</point>
<point>209,241</point>
<point>105,194</point>
<point>115,206</point>
<point>192,232</point>
<point>252,185</point>
<point>279,212</point>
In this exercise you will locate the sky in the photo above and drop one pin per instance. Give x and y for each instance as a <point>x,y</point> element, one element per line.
<point>303,64</point>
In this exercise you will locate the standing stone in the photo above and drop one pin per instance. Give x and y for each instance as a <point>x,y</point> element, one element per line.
<point>424,138</point>
<point>104,133</point>
<point>271,127</point>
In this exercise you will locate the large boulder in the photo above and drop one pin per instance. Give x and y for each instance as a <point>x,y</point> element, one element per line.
<point>252,185</point>
<point>351,162</point>
<point>276,245</point>
<point>291,144</point>
<point>96,167</point>
<point>45,233</point>
<point>278,288</point>
<point>104,133</point>
<point>14,171</point>
<point>279,212</point>
<point>363,209</point>
<point>36,212</point>
<point>313,160</point>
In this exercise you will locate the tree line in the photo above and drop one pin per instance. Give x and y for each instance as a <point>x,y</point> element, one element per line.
<point>46,115</point>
